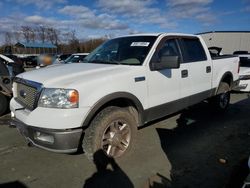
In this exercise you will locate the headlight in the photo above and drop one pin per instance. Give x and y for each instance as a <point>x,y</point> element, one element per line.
<point>59,98</point>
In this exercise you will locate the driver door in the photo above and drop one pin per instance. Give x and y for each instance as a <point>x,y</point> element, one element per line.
<point>164,85</point>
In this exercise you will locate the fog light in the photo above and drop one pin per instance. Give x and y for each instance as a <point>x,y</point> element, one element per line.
<point>243,86</point>
<point>12,114</point>
<point>43,137</point>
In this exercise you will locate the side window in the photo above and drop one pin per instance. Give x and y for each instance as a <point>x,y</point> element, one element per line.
<point>167,48</point>
<point>192,50</point>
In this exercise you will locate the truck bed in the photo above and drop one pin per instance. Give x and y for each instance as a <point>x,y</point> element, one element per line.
<point>223,64</point>
<point>222,57</point>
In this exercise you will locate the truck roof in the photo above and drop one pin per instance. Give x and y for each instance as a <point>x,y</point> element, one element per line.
<point>158,34</point>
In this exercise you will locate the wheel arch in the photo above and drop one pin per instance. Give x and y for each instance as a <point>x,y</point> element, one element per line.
<point>227,78</point>
<point>120,99</point>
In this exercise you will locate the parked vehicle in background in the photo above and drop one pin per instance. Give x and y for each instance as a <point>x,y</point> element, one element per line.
<point>5,59</point>
<point>244,57</point>
<point>5,88</point>
<point>122,85</point>
<point>14,58</point>
<point>240,52</point>
<point>61,58</point>
<point>30,61</point>
<point>18,66</point>
<point>8,69</point>
<point>75,58</point>
<point>244,73</point>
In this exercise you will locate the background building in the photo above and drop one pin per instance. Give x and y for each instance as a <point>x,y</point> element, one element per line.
<point>229,41</point>
<point>34,48</point>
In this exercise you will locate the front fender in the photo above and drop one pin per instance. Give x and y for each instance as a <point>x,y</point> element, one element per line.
<point>109,98</point>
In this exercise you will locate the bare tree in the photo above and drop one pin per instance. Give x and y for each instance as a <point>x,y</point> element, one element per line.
<point>52,35</point>
<point>56,34</point>
<point>66,42</point>
<point>17,34</point>
<point>42,33</point>
<point>32,34</point>
<point>26,31</point>
<point>72,42</point>
<point>91,44</point>
<point>8,38</point>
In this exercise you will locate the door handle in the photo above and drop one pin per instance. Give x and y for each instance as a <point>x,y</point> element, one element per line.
<point>208,69</point>
<point>184,73</point>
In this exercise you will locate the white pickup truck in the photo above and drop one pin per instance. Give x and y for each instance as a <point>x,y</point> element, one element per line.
<point>123,84</point>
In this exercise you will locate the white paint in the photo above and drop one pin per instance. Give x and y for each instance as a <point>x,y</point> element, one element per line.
<point>95,81</point>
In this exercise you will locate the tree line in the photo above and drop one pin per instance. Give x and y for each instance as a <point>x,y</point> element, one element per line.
<point>66,42</point>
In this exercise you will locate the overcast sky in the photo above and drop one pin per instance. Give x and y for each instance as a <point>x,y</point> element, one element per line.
<point>117,17</point>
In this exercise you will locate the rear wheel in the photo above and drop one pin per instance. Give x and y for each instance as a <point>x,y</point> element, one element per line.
<point>113,130</point>
<point>222,100</point>
<point>3,104</point>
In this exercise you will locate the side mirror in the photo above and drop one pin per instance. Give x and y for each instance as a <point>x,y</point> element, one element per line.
<point>166,62</point>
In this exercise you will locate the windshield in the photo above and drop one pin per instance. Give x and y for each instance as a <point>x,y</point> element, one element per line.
<point>125,50</point>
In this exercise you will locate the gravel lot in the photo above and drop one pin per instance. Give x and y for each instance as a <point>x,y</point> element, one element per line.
<point>197,148</point>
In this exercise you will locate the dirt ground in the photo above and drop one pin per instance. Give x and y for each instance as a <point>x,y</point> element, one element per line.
<point>197,148</point>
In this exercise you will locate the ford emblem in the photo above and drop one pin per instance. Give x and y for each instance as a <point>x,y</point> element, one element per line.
<point>23,93</point>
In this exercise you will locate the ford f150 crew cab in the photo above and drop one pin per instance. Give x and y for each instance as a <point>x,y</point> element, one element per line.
<point>123,84</point>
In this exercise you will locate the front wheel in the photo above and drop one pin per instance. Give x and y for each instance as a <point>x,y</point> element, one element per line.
<point>113,130</point>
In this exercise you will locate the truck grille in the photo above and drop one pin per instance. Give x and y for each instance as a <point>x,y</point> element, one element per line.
<point>27,93</point>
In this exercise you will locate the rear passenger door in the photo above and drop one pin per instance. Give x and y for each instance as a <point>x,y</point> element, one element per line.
<point>196,70</point>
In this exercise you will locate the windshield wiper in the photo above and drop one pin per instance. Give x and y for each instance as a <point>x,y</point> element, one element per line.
<point>105,62</point>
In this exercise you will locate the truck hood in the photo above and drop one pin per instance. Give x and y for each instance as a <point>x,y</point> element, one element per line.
<point>244,71</point>
<point>64,75</point>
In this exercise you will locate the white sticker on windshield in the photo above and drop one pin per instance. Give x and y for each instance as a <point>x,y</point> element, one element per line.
<point>145,44</point>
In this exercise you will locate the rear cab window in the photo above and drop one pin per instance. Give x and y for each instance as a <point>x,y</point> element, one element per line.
<point>192,50</point>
